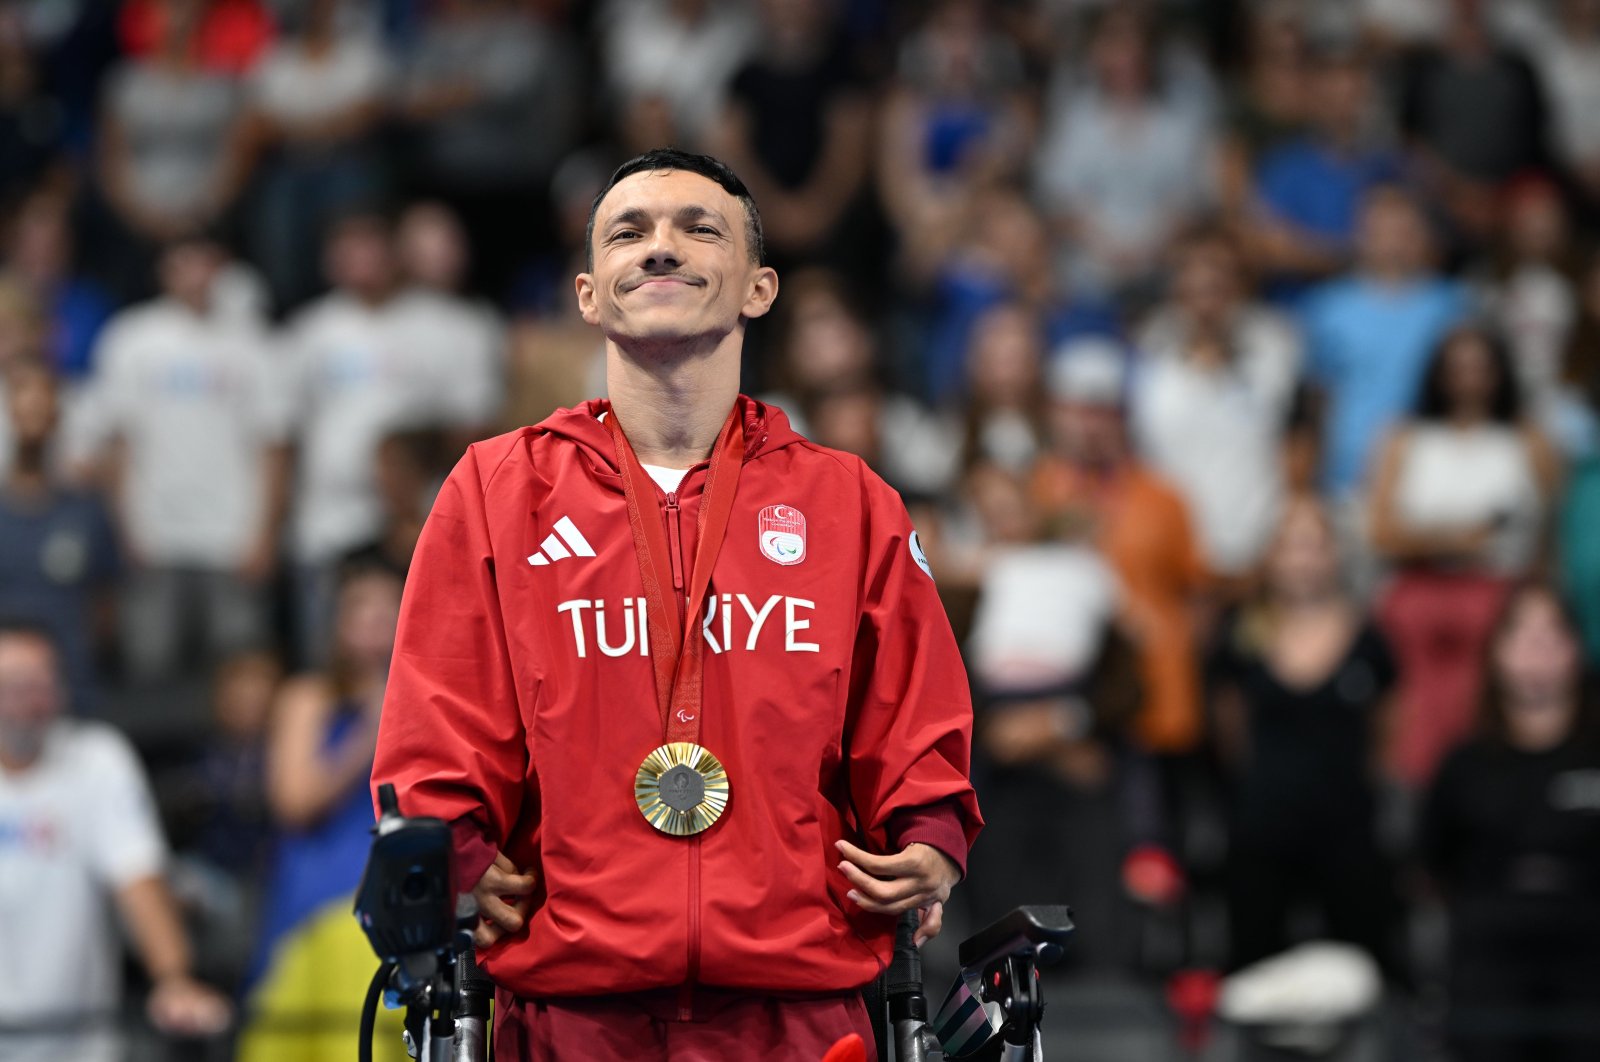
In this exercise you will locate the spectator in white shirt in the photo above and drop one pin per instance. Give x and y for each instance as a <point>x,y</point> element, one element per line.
<point>435,259</point>
<point>78,827</point>
<point>1121,166</point>
<point>365,360</point>
<point>1461,498</point>
<point>186,392</point>
<point>316,98</point>
<point>682,52</point>
<point>173,150</point>
<point>1213,399</point>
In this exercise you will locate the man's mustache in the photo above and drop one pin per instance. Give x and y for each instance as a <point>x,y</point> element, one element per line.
<point>686,278</point>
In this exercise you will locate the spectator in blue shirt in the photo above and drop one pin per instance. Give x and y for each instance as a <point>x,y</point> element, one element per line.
<point>1309,190</point>
<point>1370,333</point>
<point>39,259</point>
<point>1003,256</point>
<point>58,554</point>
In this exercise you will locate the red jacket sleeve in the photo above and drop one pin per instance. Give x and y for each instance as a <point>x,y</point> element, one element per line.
<point>909,725</point>
<point>451,737</point>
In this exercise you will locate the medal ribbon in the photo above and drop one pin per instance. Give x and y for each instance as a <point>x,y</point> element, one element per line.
<point>675,648</point>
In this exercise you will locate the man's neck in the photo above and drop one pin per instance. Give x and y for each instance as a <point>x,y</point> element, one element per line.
<point>673,403</point>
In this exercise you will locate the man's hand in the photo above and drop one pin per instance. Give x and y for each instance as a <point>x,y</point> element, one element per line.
<point>181,1006</point>
<point>496,917</point>
<point>920,876</point>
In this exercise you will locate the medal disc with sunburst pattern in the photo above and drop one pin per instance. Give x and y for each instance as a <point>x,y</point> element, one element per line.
<point>681,789</point>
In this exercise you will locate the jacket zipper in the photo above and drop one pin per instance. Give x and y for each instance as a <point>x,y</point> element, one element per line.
<point>686,994</point>
<point>675,548</point>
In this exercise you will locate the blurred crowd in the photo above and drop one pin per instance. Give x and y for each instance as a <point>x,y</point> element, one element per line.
<point>1238,360</point>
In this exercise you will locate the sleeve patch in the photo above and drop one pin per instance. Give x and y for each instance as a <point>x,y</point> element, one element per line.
<point>917,554</point>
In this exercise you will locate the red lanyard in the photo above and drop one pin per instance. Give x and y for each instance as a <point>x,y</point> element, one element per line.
<point>674,648</point>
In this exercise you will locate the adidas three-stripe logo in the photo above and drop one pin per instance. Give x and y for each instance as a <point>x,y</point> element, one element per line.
<point>565,541</point>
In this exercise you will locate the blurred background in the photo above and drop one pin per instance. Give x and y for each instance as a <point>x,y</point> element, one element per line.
<point>1239,361</point>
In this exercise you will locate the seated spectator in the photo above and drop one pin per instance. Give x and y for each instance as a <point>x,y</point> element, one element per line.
<point>1475,115</point>
<point>1308,191</point>
<point>311,955</point>
<point>316,99</point>
<point>190,403</point>
<point>1121,167</point>
<point>78,830</point>
<point>1511,834</point>
<point>796,128</point>
<point>39,260</point>
<point>1213,398</point>
<point>1369,334</point>
<point>1089,478</point>
<point>1531,292</point>
<point>1460,500</point>
<point>58,552</point>
<point>682,52</point>
<point>1302,692</point>
<point>175,148</point>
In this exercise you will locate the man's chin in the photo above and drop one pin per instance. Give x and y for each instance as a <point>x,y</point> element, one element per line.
<point>653,330</point>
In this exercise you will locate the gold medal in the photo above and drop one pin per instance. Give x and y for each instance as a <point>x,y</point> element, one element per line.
<point>681,789</point>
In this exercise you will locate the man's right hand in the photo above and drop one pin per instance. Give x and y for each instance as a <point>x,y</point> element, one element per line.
<point>503,896</point>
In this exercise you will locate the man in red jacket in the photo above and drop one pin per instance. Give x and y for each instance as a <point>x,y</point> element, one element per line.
<point>680,680</point>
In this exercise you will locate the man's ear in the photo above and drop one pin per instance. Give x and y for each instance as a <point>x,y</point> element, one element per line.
<point>763,292</point>
<point>588,307</point>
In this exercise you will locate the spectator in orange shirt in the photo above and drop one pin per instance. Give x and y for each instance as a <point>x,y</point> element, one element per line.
<point>1141,526</point>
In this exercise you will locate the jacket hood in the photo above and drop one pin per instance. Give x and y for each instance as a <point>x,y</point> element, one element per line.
<point>766,429</point>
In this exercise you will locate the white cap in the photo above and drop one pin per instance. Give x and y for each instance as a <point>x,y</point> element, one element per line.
<point>1090,370</point>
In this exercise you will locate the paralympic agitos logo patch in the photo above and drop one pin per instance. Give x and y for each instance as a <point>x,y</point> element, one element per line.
<point>781,533</point>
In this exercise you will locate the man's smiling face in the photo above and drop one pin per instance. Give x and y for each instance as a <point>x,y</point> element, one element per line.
<point>672,261</point>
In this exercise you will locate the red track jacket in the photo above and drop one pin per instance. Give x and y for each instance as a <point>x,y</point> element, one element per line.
<point>521,702</point>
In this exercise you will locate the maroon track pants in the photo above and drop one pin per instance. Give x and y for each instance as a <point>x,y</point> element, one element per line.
<point>649,1027</point>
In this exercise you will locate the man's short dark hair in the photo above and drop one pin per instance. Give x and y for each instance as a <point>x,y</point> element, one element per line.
<point>711,169</point>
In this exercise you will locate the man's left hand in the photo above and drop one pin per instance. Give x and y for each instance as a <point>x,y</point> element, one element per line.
<point>919,876</point>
